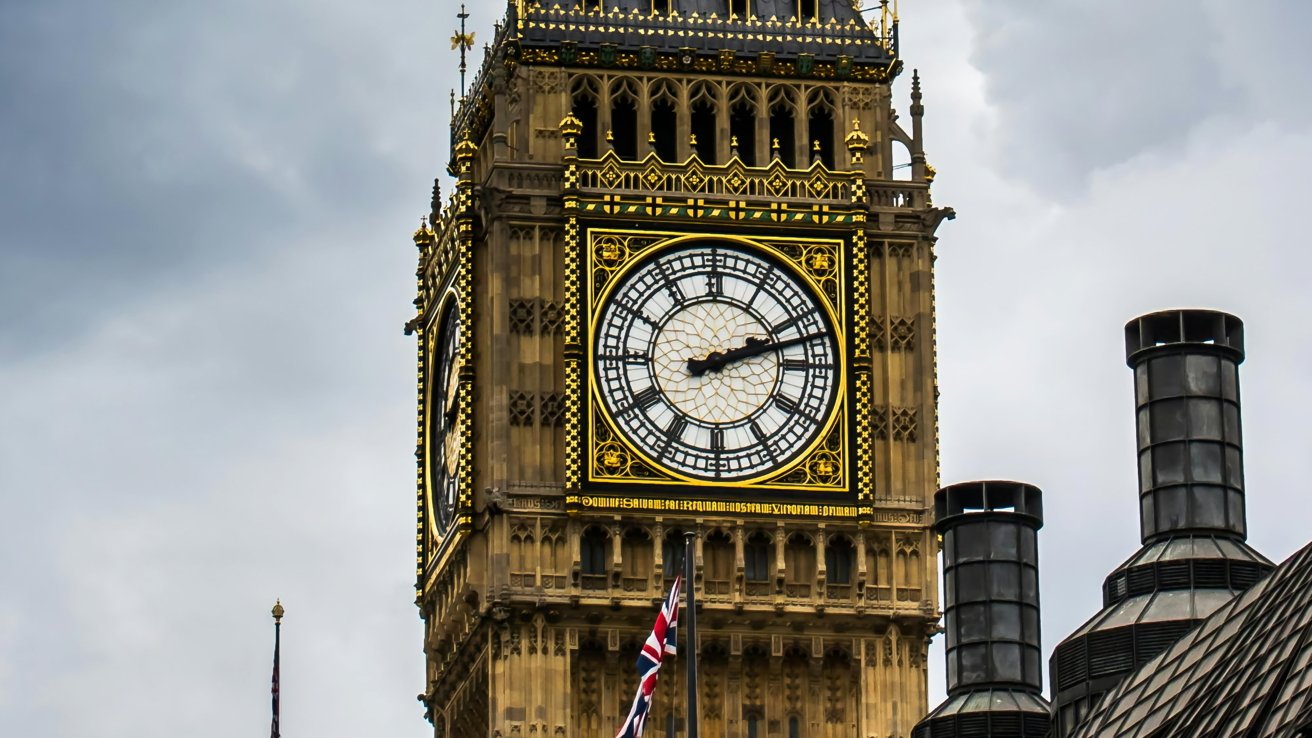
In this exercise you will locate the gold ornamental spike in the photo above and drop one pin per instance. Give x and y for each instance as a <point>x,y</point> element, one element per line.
<point>463,41</point>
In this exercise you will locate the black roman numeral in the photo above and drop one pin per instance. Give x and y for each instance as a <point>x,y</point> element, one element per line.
<point>672,284</point>
<point>763,439</point>
<point>632,358</point>
<point>776,330</point>
<point>648,398</point>
<point>673,432</point>
<point>636,312</point>
<point>715,280</point>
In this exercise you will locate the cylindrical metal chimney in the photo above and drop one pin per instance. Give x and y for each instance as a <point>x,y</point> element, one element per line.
<point>1186,392</point>
<point>1194,556</point>
<point>991,584</point>
<point>991,612</point>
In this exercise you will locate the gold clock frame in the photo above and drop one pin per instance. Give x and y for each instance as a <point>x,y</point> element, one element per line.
<point>820,265</point>
<point>448,300</point>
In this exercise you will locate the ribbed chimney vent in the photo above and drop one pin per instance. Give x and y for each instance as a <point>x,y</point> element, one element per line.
<point>991,612</point>
<point>1186,389</point>
<point>1194,556</point>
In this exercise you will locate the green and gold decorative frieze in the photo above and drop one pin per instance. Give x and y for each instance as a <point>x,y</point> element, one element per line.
<point>717,362</point>
<point>731,192</point>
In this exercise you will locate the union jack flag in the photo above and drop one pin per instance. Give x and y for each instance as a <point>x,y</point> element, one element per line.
<point>659,643</point>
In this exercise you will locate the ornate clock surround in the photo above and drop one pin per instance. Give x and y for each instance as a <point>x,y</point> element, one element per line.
<point>824,473</point>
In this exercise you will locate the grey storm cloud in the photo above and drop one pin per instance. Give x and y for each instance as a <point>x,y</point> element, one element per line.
<point>205,265</point>
<point>146,144</point>
<point>204,270</point>
<point>1078,87</point>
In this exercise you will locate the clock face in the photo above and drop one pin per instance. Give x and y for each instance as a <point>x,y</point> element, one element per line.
<point>716,362</point>
<point>445,433</point>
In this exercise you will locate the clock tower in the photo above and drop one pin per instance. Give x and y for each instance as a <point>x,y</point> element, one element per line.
<point>684,284</point>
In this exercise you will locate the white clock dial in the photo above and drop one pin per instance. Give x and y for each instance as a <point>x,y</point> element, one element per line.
<point>716,361</point>
<point>445,433</point>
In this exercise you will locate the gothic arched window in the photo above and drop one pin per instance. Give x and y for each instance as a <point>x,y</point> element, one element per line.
<point>704,122</point>
<point>594,552</point>
<point>756,555</point>
<point>820,127</point>
<point>672,553</point>
<point>664,121</point>
<point>743,107</point>
<point>838,560</point>
<point>635,559</point>
<point>783,126</point>
<point>624,119</point>
<point>584,107</point>
<point>717,553</point>
<point>799,566</point>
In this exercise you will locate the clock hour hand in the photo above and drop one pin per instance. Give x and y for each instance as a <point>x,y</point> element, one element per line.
<point>717,360</point>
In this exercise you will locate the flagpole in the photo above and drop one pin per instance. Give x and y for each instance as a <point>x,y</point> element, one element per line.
<point>274,730</point>
<point>670,727</point>
<point>690,663</point>
<point>674,697</point>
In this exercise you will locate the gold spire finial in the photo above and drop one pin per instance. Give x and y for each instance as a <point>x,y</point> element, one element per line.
<point>857,141</point>
<point>570,125</point>
<point>278,611</point>
<point>466,149</point>
<point>464,41</point>
<point>424,235</point>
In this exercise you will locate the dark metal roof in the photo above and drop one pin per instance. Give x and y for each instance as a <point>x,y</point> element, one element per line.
<point>705,26</point>
<point>1197,562</point>
<point>993,712</point>
<point>1244,671</point>
<point>840,10</point>
<point>1150,601</point>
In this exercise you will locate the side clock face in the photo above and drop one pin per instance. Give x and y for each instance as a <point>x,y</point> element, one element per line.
<point>716,362</point>
<point>445,433</point>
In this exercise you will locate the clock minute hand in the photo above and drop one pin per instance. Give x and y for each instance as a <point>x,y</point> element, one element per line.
<point>716,361</point>
<point>452,394</point>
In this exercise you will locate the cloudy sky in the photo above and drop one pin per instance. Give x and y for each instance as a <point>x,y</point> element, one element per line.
<point>207,403</point>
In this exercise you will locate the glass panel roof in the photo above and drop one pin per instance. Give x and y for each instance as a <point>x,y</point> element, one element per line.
<point>1247,670</point>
